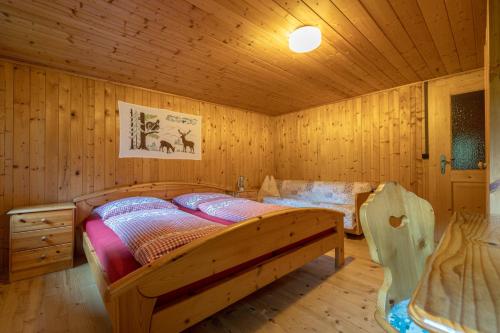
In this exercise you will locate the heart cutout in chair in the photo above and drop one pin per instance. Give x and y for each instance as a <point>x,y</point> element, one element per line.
<point>397,222</point>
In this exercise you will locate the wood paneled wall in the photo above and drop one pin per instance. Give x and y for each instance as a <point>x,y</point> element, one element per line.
<point>59,139</point>
<point>375,138</point>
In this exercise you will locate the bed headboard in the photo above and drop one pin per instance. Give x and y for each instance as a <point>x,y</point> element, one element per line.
<point>164,190</point>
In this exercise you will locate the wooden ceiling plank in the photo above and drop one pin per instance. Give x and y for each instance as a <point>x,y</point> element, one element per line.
<point>343,86</point>
<point>90,51</point>
<point>150,51</point>
<point>236,52</point>
<point>436,18</point>
<point>413,21</point>
<point>148,86</point>
<point>334,62</point>
<point>332,16</point>
<point>257,63</point>
<point>175,87</point>
<point>387,20</point>
<point>319,89</point>
<point>187,61</point>
<point>232,19</point>
<point>358,16</point>
<point>479,14</point>
<point>461,19</point>
<point>306,16</point>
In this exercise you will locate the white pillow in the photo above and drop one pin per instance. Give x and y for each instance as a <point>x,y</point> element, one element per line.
<point>269,188</point>
<point>131,204</point>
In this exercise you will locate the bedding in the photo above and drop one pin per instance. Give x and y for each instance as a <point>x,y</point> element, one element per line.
<point>149,234</point>
<point>236,209</point>
<point>193,200</point>
<point>205,216</point>
<point>114,257</point>
<point>113,254</point>
<point>131,204</point>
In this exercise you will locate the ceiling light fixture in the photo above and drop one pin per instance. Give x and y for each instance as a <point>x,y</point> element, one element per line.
<point>304,39</point>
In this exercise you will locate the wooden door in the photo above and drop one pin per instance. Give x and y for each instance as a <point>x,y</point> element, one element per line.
<point>457,175</point>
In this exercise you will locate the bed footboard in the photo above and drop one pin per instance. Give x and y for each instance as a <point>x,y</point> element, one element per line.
<point>205,276</point>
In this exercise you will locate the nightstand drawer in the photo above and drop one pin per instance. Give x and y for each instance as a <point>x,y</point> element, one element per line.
<point>41,257</point>
<point>42,220</point>
<point>29,240</point>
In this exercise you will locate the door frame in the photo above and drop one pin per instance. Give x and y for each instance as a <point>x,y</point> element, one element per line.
<point>439,99</point>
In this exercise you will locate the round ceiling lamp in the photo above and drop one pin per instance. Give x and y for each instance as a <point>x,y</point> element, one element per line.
<point>304,39</point>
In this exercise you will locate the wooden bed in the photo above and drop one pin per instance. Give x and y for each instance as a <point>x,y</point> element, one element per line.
<point>266,248</point>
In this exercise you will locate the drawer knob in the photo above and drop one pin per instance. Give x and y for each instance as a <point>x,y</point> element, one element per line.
<point>22,220</point>
<point>43,220</point>
<point>44,238</point>
<point>43,256</point>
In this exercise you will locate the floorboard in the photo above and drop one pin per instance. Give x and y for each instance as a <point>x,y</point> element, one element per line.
<point>315,298</point>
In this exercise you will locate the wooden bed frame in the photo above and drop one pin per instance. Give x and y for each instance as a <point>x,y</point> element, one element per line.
<point>247,250</point>
<point>360,199</point>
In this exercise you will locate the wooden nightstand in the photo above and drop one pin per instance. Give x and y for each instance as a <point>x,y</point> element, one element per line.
<point>41,239</point>
<point>247,194</point>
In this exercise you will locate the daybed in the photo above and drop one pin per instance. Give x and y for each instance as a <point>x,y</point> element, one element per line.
<point>345,197</point>
<point>196,280</point>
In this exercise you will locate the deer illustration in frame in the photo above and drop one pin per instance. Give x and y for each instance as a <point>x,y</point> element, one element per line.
<point>158,133</point>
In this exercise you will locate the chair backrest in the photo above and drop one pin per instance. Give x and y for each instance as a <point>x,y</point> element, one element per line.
<point>399,229</point>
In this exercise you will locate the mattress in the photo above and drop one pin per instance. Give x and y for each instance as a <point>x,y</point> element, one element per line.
<point>113,254</point>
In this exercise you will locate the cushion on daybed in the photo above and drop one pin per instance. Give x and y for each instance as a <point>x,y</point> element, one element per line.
<point>131,204</point>
<point>193,200</point>
<point>348,210</point>
<point>339,196</point>
<point>343,193</point>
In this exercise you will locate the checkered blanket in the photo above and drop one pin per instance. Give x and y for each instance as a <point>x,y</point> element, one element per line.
<point>149,234</point>
<point>237,210</point>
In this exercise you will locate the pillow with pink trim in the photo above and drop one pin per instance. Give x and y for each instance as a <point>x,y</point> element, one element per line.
<point>131,204</point>
<point>193,200</point>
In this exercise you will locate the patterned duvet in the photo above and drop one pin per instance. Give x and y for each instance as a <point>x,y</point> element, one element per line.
<point>149,234</point>
<point>237,210</point>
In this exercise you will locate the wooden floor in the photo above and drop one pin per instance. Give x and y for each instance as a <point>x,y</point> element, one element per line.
<point>315,298</point>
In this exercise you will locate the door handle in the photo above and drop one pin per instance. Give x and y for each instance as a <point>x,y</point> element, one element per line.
<point>443,162</point>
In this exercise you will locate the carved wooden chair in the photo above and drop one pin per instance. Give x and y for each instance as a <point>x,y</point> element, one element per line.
<point>399,229</point>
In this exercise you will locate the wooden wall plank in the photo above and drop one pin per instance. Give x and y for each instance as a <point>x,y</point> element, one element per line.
<point>375,144</point>
<point>369,138</point>
<point>64,137</point>
<point>99,157</point>
<point>88,135</point>
<point>21,149</point>
<point>37,136</point>
<point>59,138</point>
<point>109,135</point>
<point>3,110</point>
<point>51,175</point>
<point>404,135</point>
<point>122,172</point>
<point>76,134</point>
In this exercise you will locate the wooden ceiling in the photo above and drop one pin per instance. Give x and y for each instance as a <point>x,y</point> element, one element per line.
<point>236,52</point>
